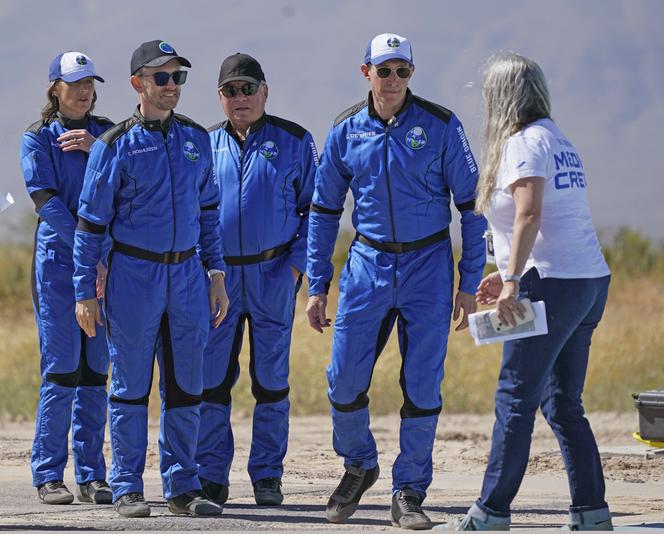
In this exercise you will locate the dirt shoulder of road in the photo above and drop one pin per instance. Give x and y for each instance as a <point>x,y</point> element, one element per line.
<point>634,474</point>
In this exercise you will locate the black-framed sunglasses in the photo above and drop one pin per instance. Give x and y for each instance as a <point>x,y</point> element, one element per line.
<point>248,89</point>
<point>161,78</point>
<point>384,72</point>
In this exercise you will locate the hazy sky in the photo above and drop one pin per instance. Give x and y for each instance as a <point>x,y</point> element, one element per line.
<point>604,60</point>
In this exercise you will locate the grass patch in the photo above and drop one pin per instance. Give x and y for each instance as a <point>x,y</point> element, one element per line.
<point>626,353</point>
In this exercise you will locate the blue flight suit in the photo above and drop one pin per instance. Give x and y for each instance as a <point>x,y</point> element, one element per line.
<point>266,185</point>
<point>153,185</point>
<point>399,268</point>
<point>73,368</point>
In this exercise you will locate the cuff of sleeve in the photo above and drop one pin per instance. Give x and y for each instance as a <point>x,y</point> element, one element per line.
<point>82,294</point>
<point>469,284</point>
<point>212,272</point>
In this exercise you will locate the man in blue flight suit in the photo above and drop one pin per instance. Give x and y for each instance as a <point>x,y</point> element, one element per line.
<point>402,157</point>
<point>54,152</point>
<point>266,167</point>
<point>150,180</point>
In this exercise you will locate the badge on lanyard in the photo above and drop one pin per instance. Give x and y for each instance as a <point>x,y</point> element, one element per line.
<point>488,240</point>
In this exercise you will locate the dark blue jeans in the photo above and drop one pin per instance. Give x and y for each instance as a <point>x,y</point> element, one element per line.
<point>548,372</point>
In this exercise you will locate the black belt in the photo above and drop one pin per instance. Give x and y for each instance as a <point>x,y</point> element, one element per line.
<point>157,257</point>
<point>399,248</point>
<point>266,255</point>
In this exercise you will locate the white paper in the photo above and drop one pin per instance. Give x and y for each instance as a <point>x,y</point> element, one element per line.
<point>483,332</point>
<point>6,201</point>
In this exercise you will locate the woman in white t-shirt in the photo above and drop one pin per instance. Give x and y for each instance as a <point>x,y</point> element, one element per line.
<point>532,190</point>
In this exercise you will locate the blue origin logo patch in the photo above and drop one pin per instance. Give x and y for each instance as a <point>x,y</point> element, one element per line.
<point>190,151</point>
<point>268,150</point>
<point>81,60</point>
<point>166,48</point>
<point>416,138</point>
<point>393,42</point>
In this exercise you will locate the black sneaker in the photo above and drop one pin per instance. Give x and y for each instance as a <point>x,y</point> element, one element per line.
<point>193,503</point>
<point>95,491</point>
<point>132,505</point>
<point>407,511</point>
<point>54,492</point>
<point>267,492</point>
<point>217,493</point>
<point>346,497</point>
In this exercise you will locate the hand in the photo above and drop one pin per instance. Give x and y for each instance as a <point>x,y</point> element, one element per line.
<point>76,140</point>
<point>466,302</point>
<point>316,312</point>
<point>218,299</point>
<point>87,314</point>
<point>489,289</point>
<point>296,274</point>
<point>101,280</point>
<point>507,304</point>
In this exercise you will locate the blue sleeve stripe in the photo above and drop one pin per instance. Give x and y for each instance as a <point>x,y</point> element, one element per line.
<point>90,227</point>
<point>325,211</point>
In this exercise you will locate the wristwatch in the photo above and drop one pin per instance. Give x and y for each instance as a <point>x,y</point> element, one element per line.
<point>511,278</point>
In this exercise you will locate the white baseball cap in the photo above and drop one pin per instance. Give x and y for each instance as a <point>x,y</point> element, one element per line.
<point>388,46</point>
<point>71,67</point>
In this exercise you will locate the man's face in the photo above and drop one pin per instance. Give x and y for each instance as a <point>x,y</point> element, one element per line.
<point>243,110</point>
<point>391,89</point>
<point>164,97</point>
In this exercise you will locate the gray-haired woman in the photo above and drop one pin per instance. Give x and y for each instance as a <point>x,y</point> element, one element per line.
<point>532,190</point>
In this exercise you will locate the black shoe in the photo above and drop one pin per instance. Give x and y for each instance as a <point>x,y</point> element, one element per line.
<point>346,497</point>
<point>132,505</point>
<point>267,492</point>
<point>95,491</point>
<point>193,503</point>
<point>407,511</point>
<point>54,492</point>
<point>217,493</point>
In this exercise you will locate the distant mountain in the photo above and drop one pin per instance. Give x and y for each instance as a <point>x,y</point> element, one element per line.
<point>603,59</point>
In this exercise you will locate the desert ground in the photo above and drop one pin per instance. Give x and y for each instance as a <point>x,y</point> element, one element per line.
<point>634,475</point>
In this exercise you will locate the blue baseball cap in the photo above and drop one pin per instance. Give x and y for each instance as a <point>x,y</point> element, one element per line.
<point>71,67</point>
<point>388,46</point>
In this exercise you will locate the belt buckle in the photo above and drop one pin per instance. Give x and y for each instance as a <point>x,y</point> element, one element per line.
<point>172,257</point>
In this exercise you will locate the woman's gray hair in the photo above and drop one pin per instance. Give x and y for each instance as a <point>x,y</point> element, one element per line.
<point>515,94</point>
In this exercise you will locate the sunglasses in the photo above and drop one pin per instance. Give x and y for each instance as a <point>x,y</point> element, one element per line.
<point>230,91</point>
<point>161,78</point>
<point>384,72</point>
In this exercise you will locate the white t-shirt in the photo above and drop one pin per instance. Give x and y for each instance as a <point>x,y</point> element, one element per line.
<point>566,245</point>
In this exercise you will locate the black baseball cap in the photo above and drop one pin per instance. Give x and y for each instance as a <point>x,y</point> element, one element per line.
<point>154,54</point>
<point>240,67</point>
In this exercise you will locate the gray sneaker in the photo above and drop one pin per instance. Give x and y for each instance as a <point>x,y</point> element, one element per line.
<point>599,519</point>
<point>95,491</point>
<point>132,505</point>
<point>267,492</point>
<point>407,511</point>
<point>477,519</point>
<point>347,495</point>
<point>195,504</point>
<point>54,492</point>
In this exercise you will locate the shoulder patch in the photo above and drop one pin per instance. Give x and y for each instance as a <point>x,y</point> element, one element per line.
<point>186,121</point>
<point>289,126</point>
<point>102,120</point>
<point>111,135</point>
<point>218,126</point>
<point>442,113</point>
<point>35,127</point>
<point>350,112</point>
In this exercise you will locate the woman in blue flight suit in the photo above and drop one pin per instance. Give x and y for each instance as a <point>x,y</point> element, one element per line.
<point>54,153</point>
